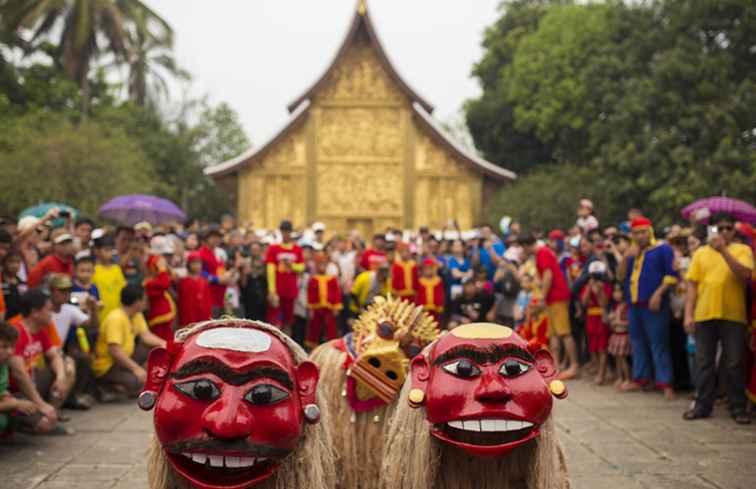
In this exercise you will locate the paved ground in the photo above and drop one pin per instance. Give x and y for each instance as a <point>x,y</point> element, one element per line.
<point>633,441</point>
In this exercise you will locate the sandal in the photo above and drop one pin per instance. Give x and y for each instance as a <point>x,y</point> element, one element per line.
<point>694,413</point>
<point>741,418</point>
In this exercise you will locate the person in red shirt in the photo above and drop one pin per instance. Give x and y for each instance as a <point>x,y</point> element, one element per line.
<point>323,302</point>
<point>162,309</point>
<point>284,262</point>
<point>375,256</point>
<point>535,330</point>
<point>404,274</point>
<point>595,298</point>
<point>557,296</point>
<point>59,261</point>
<point>39,370</point>
<point>214,270</point>
<point>194,302</point>
<point>430,292</point>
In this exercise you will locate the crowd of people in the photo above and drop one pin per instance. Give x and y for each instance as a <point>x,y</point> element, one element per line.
<point>643,309</point>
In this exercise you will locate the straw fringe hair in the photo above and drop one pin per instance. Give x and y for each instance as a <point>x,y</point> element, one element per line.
<point>310,466</point>
<point>359,445</point>
<point>414,459</point>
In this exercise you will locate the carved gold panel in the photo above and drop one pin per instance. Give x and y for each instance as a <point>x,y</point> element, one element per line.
<point>441,199</point>
<point>291,152</point>
<point>430,157</point>
<point>359,190</point>
<point>359,76</point>
<point>359,133</point>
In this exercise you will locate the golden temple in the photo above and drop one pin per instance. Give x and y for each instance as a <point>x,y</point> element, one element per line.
<point>362,151</point>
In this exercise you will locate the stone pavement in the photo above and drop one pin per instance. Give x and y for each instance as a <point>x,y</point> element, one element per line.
<point>613,441</point>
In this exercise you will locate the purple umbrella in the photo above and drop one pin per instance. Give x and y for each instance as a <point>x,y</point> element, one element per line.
<point>132,209</point>
<point>701,210</point>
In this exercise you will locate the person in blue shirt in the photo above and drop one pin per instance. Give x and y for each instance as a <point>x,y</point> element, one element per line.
<point>490,251</point>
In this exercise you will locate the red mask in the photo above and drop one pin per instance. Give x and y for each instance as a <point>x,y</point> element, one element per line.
<point>484,390</point>
<point>230,402</point>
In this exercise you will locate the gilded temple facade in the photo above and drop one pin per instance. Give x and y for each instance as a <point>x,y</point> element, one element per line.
<point>360,151</point>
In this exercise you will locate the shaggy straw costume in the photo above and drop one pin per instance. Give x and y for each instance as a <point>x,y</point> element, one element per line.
<point>414,459</point>
<point>358,436</point>
<point>311,466</point>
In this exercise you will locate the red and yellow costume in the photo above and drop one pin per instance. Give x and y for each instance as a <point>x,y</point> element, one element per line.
<point>535,330</point>
<point>430,293</point>
<point>404,279</point>
<point>162,309</point>
<point>194,300</point>
<point>596,327</point>
<point>324,300</point>
<point>285,262</point>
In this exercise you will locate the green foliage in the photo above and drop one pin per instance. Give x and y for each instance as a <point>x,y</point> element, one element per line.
<point>45,157</point>
<point>655,100</point>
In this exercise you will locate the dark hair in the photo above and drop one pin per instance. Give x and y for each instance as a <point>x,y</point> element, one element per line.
<point>84,220</point>
<point>33,300</point>
<point>527,239</point>
<point>722,216</point>
<point>5,237</point>
<point>105,241</point>
<point>85,259</point>
<point>8,332</point>
<point>131,294</point>
<point>10,256</point>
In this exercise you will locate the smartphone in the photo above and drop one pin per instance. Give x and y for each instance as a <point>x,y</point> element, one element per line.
<point>711,231</point>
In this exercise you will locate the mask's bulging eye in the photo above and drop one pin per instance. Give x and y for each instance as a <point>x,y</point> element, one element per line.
<point>200,390</point>
<point>513,368</point>
<point>264,394</point>
<point>463,368</point>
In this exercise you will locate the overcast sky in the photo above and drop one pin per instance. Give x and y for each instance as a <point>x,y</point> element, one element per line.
<point>259,55</point>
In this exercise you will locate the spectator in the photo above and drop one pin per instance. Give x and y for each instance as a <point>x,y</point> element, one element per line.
<point>404,274</point>
<point>83,232</point>
<point>595,299</point>
<point>214,269</point>
<point>619,343</point>
<point>323,303</point>
<point>194,301</point>
<point>108,276</point>
<point>59,261</point>
<point>648,273</point>
<point>12,285</point>
<point>586,221</point>
<point>254,288</point>
<point>430,292</point>
<point>557,297</point>
<point>470,307</point>
<point>715,312</point>
<point>10,405</point>
<point>118,362</point>
<point>490,252</point>
<point>40,373</point>
<point>375,256</point>
<point>84,289</point>
<point>459,267</point>
<point>368,285</point>
<point>284,263</point>
<point>68,318</point>
<point>506,289</point>
<point>161,309</point>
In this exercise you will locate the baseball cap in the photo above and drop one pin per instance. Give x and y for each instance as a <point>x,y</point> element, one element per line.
<point>143,226</point>
<point>318,227</point>
<point>63,238</point>
<point>59,281</point>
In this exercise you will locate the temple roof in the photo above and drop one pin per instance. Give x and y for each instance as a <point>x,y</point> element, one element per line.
<point>422,110</point>
<point>361,21</point>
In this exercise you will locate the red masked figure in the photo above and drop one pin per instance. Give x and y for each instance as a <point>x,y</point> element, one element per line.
<point>231,400</point>
<point>484,389</point>
<point>162,311</point>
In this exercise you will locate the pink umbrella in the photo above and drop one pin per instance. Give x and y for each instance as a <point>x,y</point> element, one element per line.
<point>701,210</point>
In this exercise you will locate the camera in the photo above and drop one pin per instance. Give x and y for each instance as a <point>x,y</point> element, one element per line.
<point>64,213</point>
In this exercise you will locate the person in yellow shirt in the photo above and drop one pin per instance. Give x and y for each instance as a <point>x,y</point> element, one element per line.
<point>368,285</point>
<point>108,276</point>
<point>118,361</point>
<point>715,311</point>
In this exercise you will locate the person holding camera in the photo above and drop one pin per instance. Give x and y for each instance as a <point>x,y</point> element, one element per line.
<point>594,298</point>
<point>59,261</point>
<point>715,312</point>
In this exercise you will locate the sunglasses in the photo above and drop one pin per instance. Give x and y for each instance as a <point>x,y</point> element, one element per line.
<point>726,227</point>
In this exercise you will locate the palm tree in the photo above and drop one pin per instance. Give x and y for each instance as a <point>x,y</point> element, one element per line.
<point>88,29</point>
<point>151,58</point>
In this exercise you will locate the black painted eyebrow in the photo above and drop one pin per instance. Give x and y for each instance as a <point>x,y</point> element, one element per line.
<point>490,354</point>
<point>229,375</point>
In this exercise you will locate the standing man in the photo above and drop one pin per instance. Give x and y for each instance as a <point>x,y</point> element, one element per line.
<point>284,262</point>
<point>648,274</point>
<point>715,311</point>
<point>557,297</point>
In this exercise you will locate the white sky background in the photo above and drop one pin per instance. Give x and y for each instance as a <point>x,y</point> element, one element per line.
<point>259,55</point>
